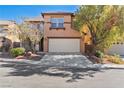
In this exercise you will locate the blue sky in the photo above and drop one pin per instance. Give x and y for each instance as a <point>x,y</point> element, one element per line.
<point>15,12</point>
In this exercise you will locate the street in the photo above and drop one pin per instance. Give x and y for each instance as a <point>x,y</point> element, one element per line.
<point>12,76</point>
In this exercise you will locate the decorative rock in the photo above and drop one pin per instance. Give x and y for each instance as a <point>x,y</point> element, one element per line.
<point>35,57</point>
<point>20,57</point>
<point>28,53</point>
<point>96,59</point>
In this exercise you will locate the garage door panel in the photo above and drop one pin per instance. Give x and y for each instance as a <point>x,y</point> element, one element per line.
<point>117,49</point>
<point>64,45</point>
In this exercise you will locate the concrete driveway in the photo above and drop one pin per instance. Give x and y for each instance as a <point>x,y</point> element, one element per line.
<point>66,60</point>
<point>53,71</point>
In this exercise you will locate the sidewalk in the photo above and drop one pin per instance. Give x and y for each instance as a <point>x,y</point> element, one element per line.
<point>112,66</point>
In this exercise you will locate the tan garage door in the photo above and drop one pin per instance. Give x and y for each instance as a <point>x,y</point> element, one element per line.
<point>64,45</point>
<point>117,49</point>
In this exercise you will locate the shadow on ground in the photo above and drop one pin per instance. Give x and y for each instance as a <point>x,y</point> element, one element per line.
<point>27,69</point>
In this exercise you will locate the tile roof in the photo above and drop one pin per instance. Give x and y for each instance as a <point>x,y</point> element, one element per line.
<point>58,12</point>
<point>38,18</point>
<point>6,22</point>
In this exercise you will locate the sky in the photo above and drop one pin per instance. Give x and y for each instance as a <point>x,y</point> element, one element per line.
<point>17,12</point>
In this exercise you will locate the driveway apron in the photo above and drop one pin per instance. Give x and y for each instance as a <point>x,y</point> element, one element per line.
<point>67,60</point>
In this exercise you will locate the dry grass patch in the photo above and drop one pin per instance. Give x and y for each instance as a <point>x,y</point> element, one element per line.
<point>114,59</point>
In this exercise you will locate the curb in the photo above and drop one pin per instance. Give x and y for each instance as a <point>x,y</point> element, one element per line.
<point>13,60</point>
<point>112,66</point>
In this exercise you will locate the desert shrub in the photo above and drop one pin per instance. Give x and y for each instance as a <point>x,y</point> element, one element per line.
<point>17,51</point>
<point>115,59</point>
<point>99,54</point>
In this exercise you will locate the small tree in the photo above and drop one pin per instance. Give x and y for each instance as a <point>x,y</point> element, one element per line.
<point>31,34</point>
<point>105,23</point>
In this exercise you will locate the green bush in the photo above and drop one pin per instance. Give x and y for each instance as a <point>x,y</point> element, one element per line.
<point>99,54</point>
<point>17,51</point>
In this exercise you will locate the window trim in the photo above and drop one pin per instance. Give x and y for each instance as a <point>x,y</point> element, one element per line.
<point>57,23</point>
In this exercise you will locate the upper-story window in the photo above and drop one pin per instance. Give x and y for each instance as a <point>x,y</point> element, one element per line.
<point>38,26</point>
<point>57,22</point>
<point>3,31</point>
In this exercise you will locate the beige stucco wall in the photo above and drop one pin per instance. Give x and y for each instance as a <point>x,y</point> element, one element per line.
<point>67,32</point>
<point>11,31</point>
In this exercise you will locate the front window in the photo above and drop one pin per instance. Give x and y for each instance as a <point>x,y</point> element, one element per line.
<point>57,22</point>
<point>33,26</point>
<point>38,26</point>
<point>3,31</point>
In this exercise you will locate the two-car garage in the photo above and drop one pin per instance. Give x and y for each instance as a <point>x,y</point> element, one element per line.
<point>64,45</point>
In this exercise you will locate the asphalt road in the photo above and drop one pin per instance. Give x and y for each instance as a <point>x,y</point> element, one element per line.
<point>26,76</point>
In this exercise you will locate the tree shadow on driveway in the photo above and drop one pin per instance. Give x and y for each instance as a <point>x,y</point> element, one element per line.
<point>27,69</point>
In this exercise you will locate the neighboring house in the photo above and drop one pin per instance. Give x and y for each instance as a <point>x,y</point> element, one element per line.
<point>8,33</point>
<point>36,23</point>
<point>117,49</point>
<point>59,35</point>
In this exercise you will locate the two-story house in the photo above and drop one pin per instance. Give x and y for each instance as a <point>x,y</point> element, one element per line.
<point>59,36</point>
